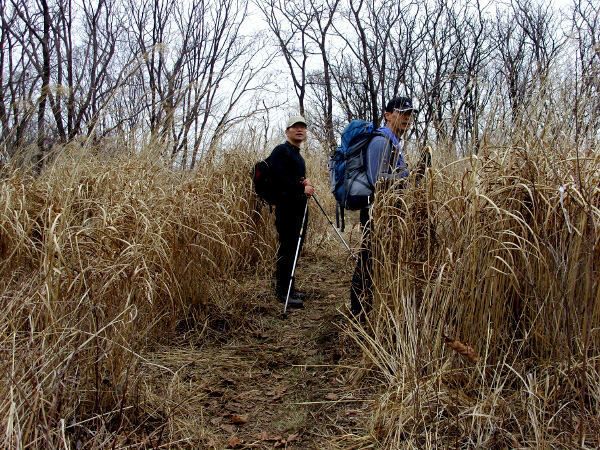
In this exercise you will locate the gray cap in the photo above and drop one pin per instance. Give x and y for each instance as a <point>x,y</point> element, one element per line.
<point>294,120</point>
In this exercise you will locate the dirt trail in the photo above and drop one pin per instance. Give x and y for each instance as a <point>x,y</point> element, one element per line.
<point>279,383</point>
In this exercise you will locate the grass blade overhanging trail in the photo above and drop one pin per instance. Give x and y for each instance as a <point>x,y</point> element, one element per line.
<point>499,252</point>
<point>103,255</point>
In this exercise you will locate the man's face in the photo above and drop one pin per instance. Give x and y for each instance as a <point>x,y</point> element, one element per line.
<point>296,133</point>
<point>399,122</point>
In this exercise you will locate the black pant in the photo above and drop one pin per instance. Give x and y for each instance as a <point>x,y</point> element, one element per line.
<point>362,284</point>
<point>288,221</point>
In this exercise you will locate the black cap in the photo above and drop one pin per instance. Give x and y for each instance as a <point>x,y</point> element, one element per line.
<point>401,104</point>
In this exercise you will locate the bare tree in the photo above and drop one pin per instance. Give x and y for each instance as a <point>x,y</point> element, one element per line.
<point>193,54</point>
<point>221,74</point>
<point>93,79</point>
<point>36,44</point>
<point>404,47</point>
<point>474,96</point>
<point>586,104</point>
<point>186,72</point>
<point>364,47</point>
<point>289,23</point>
<point>351,90</point>
<point>438,67</point>
<point>18,76</point>
<point>527,47</point>
<point>42,32</point>
<point>378,56</point>
<point>323,14</point>
<point>468,78</point>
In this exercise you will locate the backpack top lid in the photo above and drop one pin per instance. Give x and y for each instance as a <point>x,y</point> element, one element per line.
<point>354,130</point>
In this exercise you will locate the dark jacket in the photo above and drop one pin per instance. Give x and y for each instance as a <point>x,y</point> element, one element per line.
<point>288,167</point>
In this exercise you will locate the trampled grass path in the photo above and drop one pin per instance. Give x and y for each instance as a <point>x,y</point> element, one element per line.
<point>274,383</point>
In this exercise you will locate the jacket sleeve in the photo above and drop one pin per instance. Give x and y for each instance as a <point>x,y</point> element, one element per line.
<point>379,165</point>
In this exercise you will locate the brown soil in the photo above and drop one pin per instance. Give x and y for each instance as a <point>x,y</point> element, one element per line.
<point>275,383</point>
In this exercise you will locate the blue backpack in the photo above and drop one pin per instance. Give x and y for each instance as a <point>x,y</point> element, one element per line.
<point>348,168</point>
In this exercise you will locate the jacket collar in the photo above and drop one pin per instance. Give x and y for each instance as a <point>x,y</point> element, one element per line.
<point>292,146</point>
<point>387,132</point>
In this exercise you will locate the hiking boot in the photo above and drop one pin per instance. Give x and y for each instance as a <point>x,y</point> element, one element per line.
<point>292,301</point>
<point>298,295</point>
<point>294,294</point>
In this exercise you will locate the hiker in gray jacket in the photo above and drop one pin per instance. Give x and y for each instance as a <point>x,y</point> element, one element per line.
<point>385,161</point>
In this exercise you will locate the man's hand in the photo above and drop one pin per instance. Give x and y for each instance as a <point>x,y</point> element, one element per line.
<point>309,189</point>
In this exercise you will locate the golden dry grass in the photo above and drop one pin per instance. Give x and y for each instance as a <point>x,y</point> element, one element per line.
<point>101,257</point>
<point>500,252</point>
<point>105,258</point>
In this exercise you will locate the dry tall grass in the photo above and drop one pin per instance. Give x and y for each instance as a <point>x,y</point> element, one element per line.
<point>101,257</point>
<point>499,252</point>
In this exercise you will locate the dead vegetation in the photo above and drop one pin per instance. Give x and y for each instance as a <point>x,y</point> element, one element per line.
<point>137,309</point>
<point>102,258</point>
<point>497,257</point>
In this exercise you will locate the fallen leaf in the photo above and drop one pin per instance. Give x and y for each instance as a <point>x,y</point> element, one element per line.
<point>461,348</point>
<point>331,396</point>
<point>235,442</point>
<point>239,420</point>
<point>292,437</point>
<point>228,428</point>
<point>267,437</point>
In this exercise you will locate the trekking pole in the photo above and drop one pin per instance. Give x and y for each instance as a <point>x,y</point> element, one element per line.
<point>287,298</point>
<point>336,230</point>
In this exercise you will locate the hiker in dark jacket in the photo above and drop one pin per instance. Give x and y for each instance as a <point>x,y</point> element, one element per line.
<point>385,161</point>
<point>290,171</point>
